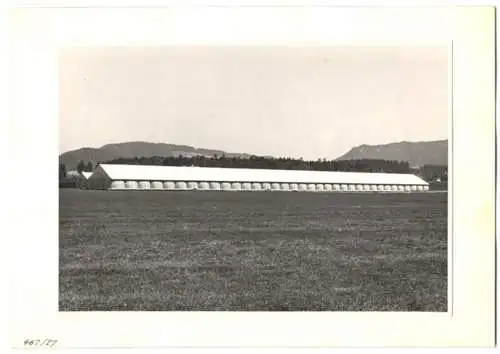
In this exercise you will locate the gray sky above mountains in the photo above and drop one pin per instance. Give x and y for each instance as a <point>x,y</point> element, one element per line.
<point>310,102</point>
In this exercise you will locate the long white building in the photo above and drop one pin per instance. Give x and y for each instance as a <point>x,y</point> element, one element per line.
<point>139,177</point>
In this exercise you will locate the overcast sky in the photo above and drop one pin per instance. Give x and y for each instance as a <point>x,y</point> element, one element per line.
<point>297,102</point>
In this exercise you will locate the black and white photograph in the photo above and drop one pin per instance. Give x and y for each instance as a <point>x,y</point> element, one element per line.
<point>226,176</point>
<point>254,178</point>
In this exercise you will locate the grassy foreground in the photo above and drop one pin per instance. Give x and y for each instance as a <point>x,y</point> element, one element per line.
<point>253,251</point>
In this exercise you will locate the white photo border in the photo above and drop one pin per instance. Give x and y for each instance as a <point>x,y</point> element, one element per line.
<point>36,35</point>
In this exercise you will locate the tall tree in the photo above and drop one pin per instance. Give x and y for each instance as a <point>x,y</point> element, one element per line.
<point>80,167</point>
<point>89,167</point>
<point>62,171</point>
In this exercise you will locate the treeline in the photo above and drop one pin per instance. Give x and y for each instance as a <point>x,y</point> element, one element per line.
<point>64,180</point>
<point>433,173</point>
<point>427,172</point>
<point>364,165</point>
<point>82,167</point>
<point>67,179</point>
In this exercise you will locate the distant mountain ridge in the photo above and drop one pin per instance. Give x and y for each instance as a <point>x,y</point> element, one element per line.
<point>136,149</point>
<point>416,153</point>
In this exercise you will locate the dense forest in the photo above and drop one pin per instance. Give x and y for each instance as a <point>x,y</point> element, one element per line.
<point>428,172</point>
<point>270,163</point>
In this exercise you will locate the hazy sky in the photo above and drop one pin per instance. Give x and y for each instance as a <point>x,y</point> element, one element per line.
<point>297,102</point>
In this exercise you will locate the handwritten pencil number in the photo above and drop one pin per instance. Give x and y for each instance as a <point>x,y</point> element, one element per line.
<point>40,343</point>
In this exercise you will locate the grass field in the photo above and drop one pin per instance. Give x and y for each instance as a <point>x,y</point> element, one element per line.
<point>253,251</point>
